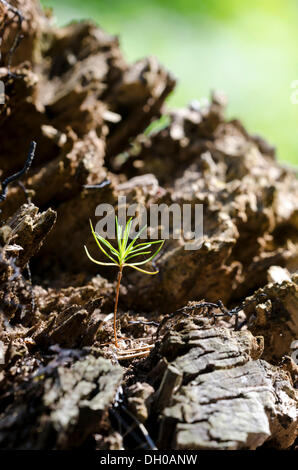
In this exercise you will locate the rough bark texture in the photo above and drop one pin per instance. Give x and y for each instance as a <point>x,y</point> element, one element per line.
<point>276,318</point>
<point>219,395</point>
<point>69,403</point>
<point>206,385</point>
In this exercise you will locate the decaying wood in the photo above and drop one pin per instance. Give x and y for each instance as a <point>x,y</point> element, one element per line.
<point>217,394</point>
<point>70,403</point>
<point>28,229</point>
<point>85,105</point>
<point>204,385</point>
<point>250,207</point>
<point>138,399</point>
<point>21,238</point>
<point>276,318</point>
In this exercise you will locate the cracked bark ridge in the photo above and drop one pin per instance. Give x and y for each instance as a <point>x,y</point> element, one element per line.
<point>73,326</point>
<point>70,400</point>
<point>216,392</point>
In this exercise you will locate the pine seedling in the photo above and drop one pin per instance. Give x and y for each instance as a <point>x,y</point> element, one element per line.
<point>126,251</point>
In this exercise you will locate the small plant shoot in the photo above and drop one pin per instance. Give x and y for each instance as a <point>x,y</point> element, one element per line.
<point>124,256</point>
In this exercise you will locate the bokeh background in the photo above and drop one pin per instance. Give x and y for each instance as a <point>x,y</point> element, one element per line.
<point>246,49</point>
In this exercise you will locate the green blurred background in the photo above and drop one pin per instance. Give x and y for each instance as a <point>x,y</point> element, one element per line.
<point>246,49</point>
